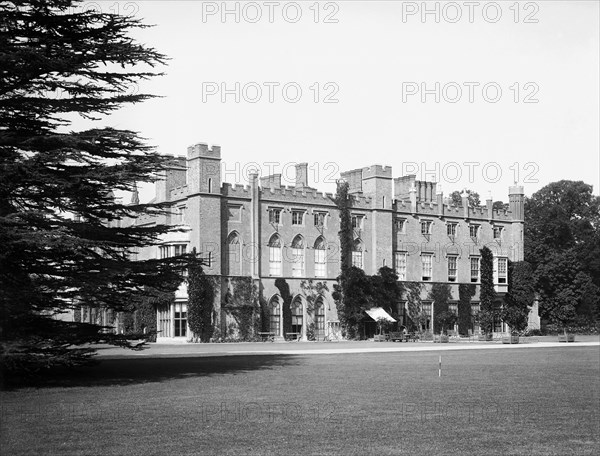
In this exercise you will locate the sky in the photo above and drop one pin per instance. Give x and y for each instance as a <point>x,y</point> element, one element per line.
<point>475,96</point>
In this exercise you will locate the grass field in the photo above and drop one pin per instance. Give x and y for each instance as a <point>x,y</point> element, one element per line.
<point>542,401</point>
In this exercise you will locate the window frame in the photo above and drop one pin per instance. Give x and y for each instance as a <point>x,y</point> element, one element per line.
<point>426,266</point>
<point>454,258</point>
<point>298,212</point>
<point>454,226</point>
<point>502,279</point>
<point>321,217</point>
<point>474,279</point>
<point>180,322</point>
<point>275,256</point>
<point>429,225</point>
<point>497,229</point>
<point>477,228</point>
<point>274,317</point>
<point>357,221</point>
<point>275,216</point>
<point>399,265</point>
<point>299,257</point>
<point>320,258</point>
<point>402,222</point>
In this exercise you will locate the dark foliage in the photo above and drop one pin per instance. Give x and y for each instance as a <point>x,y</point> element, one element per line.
<point>473,198</point>
<point>441,295</point>
<point>562,244</point>
<point>241,301</point>
<point>520,296</point>
<point>201,297</point>
<point>61,245</point>
<point>286,296</point>
<point>416,317</point>
<point>387,291</point>
<point>465,319</point>
<point>487,293</point>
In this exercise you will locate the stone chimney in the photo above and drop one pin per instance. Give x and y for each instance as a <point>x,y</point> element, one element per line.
<point>301,175</point>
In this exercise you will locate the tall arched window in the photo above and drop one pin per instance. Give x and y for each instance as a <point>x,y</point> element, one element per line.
<point>275,255</point>
<point>209,185</point>
<point>234,254</point>
<point>298,256</point>
<point>297,310</point>
<point>320,268</point>
<point>357,254</point>
<point>274,316</point>
<point>320,317</point>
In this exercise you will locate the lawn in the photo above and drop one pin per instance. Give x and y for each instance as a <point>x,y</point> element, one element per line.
<point>525,402</point>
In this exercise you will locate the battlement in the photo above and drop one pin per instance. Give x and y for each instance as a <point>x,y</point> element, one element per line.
<point>377,171</point>
<point>238,190</point>
<point>296,195</point>
<point>450,210</point>
<point>202,150</point>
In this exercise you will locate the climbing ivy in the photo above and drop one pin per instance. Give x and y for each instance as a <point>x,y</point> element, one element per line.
<point>487,294</point>
<point>415,305</point>
<point>201,295</point>
<point>241,301</point>
<point>465,320</point>
<point>341,295</point>
<point>440,295</point>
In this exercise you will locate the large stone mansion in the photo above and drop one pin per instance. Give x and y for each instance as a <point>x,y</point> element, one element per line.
<point>268,231</point>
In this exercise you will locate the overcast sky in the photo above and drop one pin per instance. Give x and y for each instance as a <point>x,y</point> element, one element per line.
<point>362,67</point>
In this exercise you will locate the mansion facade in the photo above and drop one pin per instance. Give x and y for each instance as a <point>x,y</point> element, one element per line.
<point>274,233</point>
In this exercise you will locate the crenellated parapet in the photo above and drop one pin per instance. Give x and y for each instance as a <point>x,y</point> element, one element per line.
<point>203,150</point>
<point>451,210</point>
<point>377,171</point>
<point>235,190</point>
<point>294,195</point>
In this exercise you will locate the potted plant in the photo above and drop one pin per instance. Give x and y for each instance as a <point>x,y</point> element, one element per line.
<point>563,315</point>
<point>486,322</point>
<point>447,320</point>
<point>516,319</point>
